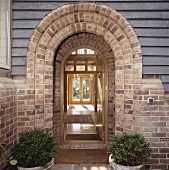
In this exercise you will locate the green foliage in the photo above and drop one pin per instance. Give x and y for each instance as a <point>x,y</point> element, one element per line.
<point>13,161</point>
<point>163,168</point>
<point>2,146</point>
<point>129,149</point>
<point>35,148</point>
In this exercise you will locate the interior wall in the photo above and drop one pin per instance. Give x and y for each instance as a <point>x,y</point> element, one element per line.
<point>100,96</point>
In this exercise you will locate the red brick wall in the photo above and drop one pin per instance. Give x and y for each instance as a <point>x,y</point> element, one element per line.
<point>8,117</point>
<point>153,120</point>
<point>26,113</point>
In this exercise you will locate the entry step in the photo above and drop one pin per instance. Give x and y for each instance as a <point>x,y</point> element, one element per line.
<point>81,145</point>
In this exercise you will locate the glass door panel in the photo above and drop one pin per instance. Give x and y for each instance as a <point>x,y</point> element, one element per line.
<point>80,90</point>
<point>86,89</point>
<point>76,89</point>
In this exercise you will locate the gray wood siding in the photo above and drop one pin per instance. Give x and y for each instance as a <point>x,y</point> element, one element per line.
<point>150,19</point>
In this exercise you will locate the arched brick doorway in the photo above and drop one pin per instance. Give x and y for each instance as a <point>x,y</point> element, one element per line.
<point>125,54</point>
<point>98,44</point>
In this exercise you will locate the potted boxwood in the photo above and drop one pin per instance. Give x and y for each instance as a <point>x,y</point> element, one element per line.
<point>35,150</point>
<point>128,151</point>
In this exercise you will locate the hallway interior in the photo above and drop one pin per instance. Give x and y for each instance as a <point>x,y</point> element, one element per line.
<point>83,100</point>
<point>85,127</point>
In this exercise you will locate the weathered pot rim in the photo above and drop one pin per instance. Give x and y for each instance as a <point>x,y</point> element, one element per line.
<point>33,168</point>
<point>122,167</point>
<point>50,163</point>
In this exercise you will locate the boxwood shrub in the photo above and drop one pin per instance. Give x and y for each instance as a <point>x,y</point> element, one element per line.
<point>35,148</point>
<point>129,149</point>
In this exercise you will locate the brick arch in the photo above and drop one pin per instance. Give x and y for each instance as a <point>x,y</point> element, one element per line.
<point>88,39</point>
<point>75,18</point>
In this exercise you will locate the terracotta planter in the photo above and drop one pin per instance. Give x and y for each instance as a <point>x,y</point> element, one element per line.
<point>46,167</point>
<point>115,166</point>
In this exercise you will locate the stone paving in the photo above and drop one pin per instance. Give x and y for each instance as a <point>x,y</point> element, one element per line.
<point>81,167</point>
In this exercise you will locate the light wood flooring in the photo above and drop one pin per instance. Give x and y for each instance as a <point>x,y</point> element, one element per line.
<point>81,128</point>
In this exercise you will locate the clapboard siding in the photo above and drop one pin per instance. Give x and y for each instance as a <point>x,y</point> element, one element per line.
<point>166,86</point>
<point>127,14</point>
<point>141,32</point>
<point>136,6</point>
<point>139,6</point>
<point>19,61</point>
<point>24,23</point>
<point>165,78</point>
<point>155,51</point>
<point>145,14</point>
<point>156,70</point>
<point>19,52</point>
<point>135,23</point>
<point>157,61</point>
<point>157,42</point>
<point>19,70</point>
<point>149,23</point>
<point>21,33</point>
<point>150,20</point>
<point>36,5</point>
<point>152,32</point>
<point>20,43</point>
<point>29,14</point>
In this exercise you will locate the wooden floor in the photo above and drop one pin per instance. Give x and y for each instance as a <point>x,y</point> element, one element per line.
<point>81,156</point>
<point>78,127</point>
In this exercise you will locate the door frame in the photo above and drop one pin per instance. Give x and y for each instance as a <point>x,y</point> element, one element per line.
<point>105,115</point>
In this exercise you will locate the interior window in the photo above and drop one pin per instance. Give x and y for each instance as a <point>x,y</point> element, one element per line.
<point>83,51</point>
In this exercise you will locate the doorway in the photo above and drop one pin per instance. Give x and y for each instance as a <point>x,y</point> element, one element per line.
<point>80,89</point>
<point>120,50</point>
<point>84,97</point>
